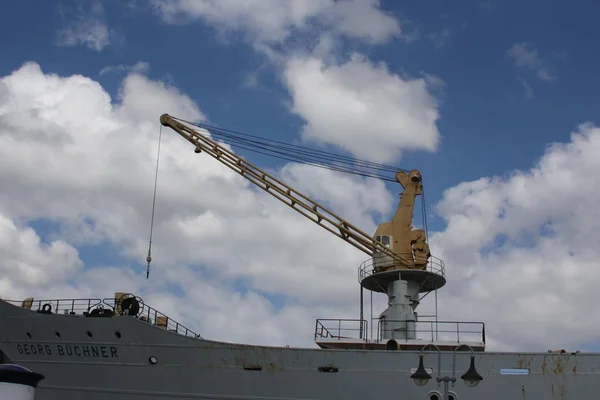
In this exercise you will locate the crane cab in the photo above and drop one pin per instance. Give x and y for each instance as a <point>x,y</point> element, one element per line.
<point>383,235</point>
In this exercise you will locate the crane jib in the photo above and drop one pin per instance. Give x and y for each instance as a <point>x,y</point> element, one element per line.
<point>294,199</point>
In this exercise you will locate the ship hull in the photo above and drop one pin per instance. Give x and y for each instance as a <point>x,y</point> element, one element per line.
<point>123,358</point>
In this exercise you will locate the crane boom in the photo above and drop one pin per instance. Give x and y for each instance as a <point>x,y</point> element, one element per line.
<point>296,200</point>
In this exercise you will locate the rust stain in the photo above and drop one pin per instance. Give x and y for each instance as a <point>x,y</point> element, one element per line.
<point>559,366</point>
<point>523,394</point>
<point>543,366</point>
<point>272,367</point>
<point>524,363</point>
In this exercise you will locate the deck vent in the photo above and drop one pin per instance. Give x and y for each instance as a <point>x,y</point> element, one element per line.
<point>252,367</point>
<point>514,371</point>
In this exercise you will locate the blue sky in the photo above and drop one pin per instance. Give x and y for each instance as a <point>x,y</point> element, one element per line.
<point>488,124</point>
<point>509,79</point>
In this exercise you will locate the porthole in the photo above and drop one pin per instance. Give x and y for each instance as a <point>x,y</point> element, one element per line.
<point>57,334</point>
<point>152,360</point>
<point>89,334</point>
<point>118,334</point>
<point>29,335</point>
<point>433,395</point>
<point>452,396</point>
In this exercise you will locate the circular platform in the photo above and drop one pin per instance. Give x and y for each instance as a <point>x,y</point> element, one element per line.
<point>378,281</point>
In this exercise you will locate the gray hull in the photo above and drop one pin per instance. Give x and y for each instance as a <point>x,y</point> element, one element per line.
<point>88,361</point>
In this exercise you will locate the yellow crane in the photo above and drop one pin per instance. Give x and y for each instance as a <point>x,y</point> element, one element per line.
<point>395,245</point>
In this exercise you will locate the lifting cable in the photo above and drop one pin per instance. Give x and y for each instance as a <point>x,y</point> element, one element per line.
<point>300,154</point>
<point>149,257</point>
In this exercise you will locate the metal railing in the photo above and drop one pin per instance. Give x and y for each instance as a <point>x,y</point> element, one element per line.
<point>450,331</point>
<point>155,317</point>
<point>58,306</point>
<point>340,328</point>
<point>103,307</point>
<point>374,264</point>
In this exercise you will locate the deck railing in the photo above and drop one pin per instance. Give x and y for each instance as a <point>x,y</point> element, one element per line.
<point>106,307</point>
<point>340,328</point>
<point>373,265</point>
<point>449,331</point>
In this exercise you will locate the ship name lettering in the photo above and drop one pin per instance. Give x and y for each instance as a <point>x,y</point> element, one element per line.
<point>70,350</point>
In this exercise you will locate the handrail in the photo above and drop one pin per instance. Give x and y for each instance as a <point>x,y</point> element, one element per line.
<point>370,266</point>
<point>87,307</point>
<point>153,316</point>
<point>433,331</point>
<point>325,326</point>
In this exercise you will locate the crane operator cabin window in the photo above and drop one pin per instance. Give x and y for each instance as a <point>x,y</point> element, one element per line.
<point>385,240</point>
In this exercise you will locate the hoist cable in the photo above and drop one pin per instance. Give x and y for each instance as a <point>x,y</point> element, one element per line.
<point>314,151</point>
<point>302,154</point>
<point>149,257</point>
<point>302,160</point>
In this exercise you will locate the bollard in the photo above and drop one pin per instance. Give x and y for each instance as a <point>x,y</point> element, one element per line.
<point>17,382</point>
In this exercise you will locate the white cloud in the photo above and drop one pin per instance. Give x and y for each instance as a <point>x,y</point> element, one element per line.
<point>139,67</point>
<point>362,107</point>
<point>26,261</point>
<point>525,55</point>
<point>272,21</point>
<point>524,246</point>
<point>363,19</point>
<point>85,27</point>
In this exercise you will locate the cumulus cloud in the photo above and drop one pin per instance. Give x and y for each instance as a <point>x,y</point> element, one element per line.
<point>362,107</point>
<point>524,246</point>
<point>81,163</point>
<point>27,261</point>
<point>273,21</point>
<point>84,27</point>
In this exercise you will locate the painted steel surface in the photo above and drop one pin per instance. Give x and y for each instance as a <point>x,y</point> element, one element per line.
<point>124,358</point>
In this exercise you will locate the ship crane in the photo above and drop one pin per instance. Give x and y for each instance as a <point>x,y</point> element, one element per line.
<point>400,263</point>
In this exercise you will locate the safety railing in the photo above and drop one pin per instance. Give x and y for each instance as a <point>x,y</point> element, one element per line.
<point>155,317</point>
<point>380,263</point>
<point>450,331</point>
<point>58,306</point>
<point>107,307</point>
<point>341,328</point>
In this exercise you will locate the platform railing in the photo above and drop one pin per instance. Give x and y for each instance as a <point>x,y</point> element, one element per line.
<point>155,317</point>
<point>102,307</point>
<point>449,331</point>
<point>326,328</point>
<point>58,306</point>
<point>375,264</point>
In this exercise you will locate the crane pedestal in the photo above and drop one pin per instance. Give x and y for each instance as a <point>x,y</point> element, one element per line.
<point>402,287</point>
